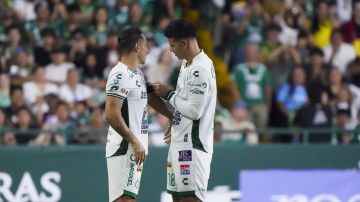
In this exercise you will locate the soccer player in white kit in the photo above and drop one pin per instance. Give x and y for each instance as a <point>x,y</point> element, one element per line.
<point>194,100</point>
<point>127,96</point>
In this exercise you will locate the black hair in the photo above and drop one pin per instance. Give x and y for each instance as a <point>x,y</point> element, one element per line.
<point>47,32</point>
<point>39,5</point>
<point>316,21</point>
<point>291,81</point>
<point>303,34</point>
<point>128,38</point>
<point>315,93</point>
<point>180,29</point>
<point>316,51</point>
<point>12,26</point>
<point>73,8</point>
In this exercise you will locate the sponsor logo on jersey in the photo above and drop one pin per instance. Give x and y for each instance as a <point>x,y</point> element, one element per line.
<point>197,91</point>
<point>177,118</point>
<point>144,122</point>
<point>185,155</point>
<point>185,181</point>
<point>124,91</point>
<point>186,136</point>
<point>203,85</point>
<point>185,169</point>
<point>131,174</point>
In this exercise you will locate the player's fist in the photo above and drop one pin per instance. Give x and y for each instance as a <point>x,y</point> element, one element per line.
<point>139,151</point>
<point>161,89</point>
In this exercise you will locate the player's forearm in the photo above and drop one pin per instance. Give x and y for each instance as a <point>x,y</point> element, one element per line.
<point>118,124</point>
<point>191,110</point>
<point>159,105</point>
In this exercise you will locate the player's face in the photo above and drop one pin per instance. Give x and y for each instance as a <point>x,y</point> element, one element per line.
<point>143,50</point>
<point>177,47</point>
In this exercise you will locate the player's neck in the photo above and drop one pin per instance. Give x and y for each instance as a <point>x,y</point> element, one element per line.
<point>193,52</point>
<point>130,61</point>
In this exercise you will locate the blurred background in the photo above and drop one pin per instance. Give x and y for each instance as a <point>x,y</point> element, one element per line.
<point>288,76</point>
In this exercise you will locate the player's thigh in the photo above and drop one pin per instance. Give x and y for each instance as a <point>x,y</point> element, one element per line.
<point>124,176</point>
<point>190,171</point>
<point>189,199</point>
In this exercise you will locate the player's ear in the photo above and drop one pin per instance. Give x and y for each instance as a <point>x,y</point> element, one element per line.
<point>184,42</point>
<point>137,46</point>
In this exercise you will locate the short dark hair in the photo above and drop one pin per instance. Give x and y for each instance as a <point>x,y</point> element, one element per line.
<point>47,32</point>
<point>180,29</point>
<point>316,51</point>
<point>128,38</point>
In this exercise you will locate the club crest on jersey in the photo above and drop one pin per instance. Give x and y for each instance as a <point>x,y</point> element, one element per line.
<point>185,169</point>
<point>124,91</point>
<point>185,155</point>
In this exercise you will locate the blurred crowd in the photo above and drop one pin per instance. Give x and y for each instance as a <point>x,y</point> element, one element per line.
<point>279,64</point>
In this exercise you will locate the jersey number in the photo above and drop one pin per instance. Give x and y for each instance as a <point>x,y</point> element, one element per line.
<point>171,179</point>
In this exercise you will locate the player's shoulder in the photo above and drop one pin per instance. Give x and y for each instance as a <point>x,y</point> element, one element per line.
<point>202,60</point>
<point>119,70</point>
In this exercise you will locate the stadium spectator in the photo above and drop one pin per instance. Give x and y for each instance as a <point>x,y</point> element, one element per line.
<point>162,69</point>
<point>7,19</point>
<point>343,107</point>
<point>73,91</point>
<point>21,68</point>
<point>72,23</point>
<point>119,13</point>
<point>338,53</point>
<point>42,53</point>
<point>60,126</point>
<point>26,128</point>
<point>6,137</point>
<point>292,95</point>
<point>25,9</point>
<point>163,8</point>
<point>4,91</point>
<point>322,24</point>
<point>97,124</point>
<point>78,48</point>
<point>159,36</point>
<point>56,71</point>
<point>34,27</point>
<point>253,82</point>
<point>238,128</point>
<point>351,29</point>
<point>279,58</point>
<point>303,47</point>
<point>35,91</point>
<point>58,10</point>
<point>353,72</point>
<point>99,27</point>
<point>17,102</point>
<point>15,43</point>
<point>87,8</point>
<point>315,71</point>
<point>314,115</point>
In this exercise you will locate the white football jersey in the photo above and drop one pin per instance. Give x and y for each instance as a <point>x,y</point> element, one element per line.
<point>194,101</point>
<point>129,85</point>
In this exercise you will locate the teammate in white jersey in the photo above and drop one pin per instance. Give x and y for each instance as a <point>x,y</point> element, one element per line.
<point>127,97</point>
<point>194,100</point>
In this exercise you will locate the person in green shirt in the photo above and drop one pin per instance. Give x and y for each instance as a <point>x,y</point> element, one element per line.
<point>253,83</point>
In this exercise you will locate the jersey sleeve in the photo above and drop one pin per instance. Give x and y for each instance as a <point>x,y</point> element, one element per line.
<point>198,89</point>
<point>116,85</point>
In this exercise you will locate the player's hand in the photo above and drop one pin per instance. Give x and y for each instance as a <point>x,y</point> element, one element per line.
<point>161,89</point>
<point>139,151</point>
<point>167,135</point>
